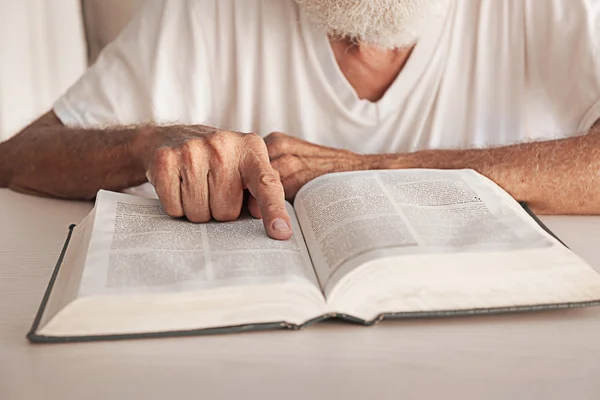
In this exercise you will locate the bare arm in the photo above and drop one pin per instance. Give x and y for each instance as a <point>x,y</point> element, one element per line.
<point>47,158</point>
<point>198,171</point>
<point>553,177</point>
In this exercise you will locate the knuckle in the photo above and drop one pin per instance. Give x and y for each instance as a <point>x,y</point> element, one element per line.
<point>224,133</point>
<point>269,179</point>
<point>219,139</point>
<point>279,144</point>
<point>191,146</point>
<point>219,159</point>
<point>172,210</point>
<point>165,157</point>
<point>191,151</point>
<point>226,214</point>
<point>274,137</point>
<point>198,217</point>
<point>254,136</point>
<point>277,135</point>
<point>272,208</point>
<point>255,140</point>
<point>221,146</point>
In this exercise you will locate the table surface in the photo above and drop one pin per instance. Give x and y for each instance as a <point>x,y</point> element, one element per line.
<point>546,355</point>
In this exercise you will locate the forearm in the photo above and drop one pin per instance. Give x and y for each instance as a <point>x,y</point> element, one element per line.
<point>553,177</point>
<point>70,163</point>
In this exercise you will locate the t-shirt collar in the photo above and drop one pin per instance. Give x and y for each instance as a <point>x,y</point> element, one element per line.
<point>397,93</point>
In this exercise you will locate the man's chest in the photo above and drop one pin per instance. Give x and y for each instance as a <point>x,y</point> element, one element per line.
<point>452,111</point>
<point>483,80</point>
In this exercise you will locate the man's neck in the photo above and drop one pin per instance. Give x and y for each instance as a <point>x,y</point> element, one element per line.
<point>369,69</point>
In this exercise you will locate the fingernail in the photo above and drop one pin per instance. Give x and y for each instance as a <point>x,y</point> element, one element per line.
<point>280,225</point>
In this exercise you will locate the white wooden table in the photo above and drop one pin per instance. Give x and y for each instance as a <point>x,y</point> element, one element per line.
<point>547,355</point>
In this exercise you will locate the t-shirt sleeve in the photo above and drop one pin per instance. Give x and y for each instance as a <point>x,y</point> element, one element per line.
<point>156,71</point>
<point>563,60</point>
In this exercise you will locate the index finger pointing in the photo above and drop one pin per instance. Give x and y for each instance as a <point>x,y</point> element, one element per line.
<point>264,184</point>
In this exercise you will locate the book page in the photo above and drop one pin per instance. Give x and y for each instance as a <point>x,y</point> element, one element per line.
<point>351,218</point>
<point>136,248</point>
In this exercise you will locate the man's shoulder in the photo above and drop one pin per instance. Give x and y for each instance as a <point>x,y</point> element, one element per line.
<point>545,26</point>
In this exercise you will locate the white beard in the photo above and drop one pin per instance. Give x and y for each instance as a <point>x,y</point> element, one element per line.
<point>387,24</point>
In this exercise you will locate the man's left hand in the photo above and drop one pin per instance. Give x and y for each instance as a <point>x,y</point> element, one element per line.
<point>298,161</point>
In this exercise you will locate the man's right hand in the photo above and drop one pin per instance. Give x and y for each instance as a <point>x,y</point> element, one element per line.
<point>198,172</point>
<point>201,173</point>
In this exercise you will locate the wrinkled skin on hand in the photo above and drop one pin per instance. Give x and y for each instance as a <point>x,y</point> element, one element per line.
<point>298,161</point>
<point>201,173</point>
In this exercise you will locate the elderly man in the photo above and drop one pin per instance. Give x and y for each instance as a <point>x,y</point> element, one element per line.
<point>183,98</point>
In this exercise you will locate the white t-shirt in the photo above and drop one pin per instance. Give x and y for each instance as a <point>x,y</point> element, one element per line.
<point>494,72</point>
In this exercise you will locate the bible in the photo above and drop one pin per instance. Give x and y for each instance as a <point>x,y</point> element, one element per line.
<point>367,246</point>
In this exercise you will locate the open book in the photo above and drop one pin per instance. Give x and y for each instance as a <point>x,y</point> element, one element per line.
<point>366,246</point>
